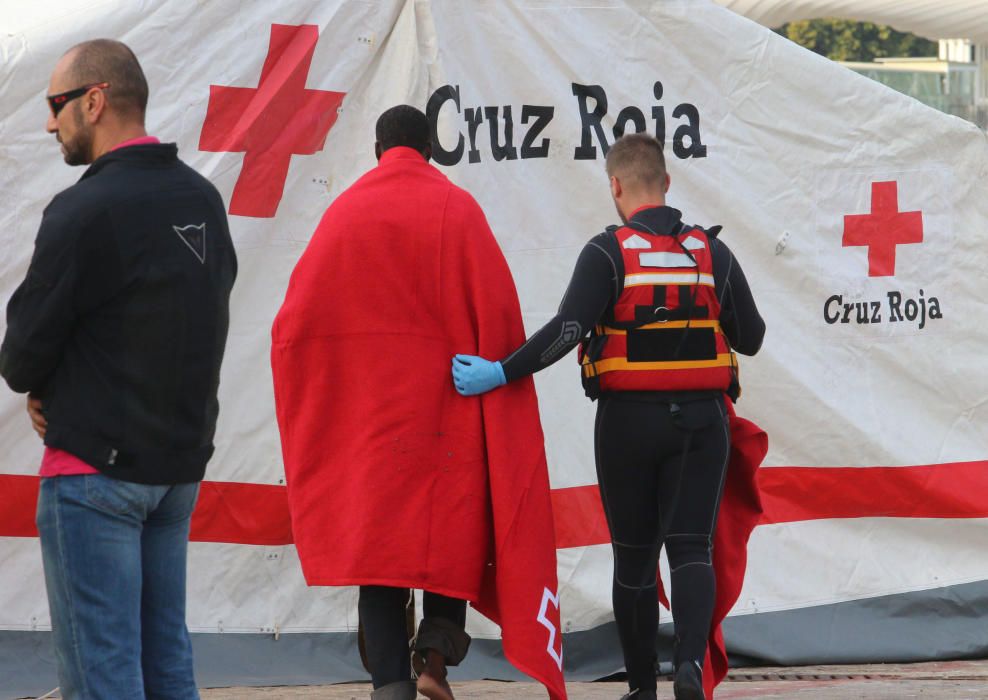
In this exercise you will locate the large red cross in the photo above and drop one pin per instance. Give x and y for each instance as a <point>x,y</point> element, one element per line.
<point>270,123</point>
<point>883,229</point>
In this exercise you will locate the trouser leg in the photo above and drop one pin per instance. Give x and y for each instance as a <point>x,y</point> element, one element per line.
<point>690,538</point>
<point>628,481</point>
<point>646,480</point>
<point>693,593</point>
<point>382,612</point>
<point>442,627</point>
<point>166,648</point>
<point>636,611</point>
<point>90,530</point>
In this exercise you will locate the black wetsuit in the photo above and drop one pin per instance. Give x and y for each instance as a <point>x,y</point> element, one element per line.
<point>656,453</point>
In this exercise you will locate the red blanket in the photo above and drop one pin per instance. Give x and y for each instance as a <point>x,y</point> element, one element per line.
<point>393,478</point>
<point>740,511</point>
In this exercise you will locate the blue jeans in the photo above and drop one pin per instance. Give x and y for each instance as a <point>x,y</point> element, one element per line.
<point>114,555</point>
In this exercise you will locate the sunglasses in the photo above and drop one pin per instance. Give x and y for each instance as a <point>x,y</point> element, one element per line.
<point>57,102</point>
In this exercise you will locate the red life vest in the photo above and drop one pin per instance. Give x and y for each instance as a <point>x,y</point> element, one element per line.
<point>663,333</point>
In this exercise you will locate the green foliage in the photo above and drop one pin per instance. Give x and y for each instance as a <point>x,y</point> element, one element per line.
<point>846,40</point>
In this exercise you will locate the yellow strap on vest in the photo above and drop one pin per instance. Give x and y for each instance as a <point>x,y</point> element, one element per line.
<point>620,363</point>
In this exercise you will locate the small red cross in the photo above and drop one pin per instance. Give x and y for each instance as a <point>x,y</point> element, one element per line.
<point>883,229</point>
<point>270,123</point>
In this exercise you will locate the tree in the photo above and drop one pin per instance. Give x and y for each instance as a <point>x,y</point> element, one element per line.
<point>846,40</point>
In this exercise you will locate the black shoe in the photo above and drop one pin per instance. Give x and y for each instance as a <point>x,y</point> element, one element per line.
<point>688,683</point>
<point>638,694</point>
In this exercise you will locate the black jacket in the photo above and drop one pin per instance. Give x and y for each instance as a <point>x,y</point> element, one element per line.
<point>119,326</point>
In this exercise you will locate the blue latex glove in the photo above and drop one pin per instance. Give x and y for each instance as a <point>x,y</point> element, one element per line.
<point>474,375</point>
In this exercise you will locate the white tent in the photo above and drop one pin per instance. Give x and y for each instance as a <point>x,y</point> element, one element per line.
<point>874,485</point>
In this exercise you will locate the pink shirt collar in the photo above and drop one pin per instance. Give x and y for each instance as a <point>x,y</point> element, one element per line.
<point>139,141</point>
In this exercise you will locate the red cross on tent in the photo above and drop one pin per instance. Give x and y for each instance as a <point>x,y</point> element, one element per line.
<point>272,122</point>
<point>883,229</point>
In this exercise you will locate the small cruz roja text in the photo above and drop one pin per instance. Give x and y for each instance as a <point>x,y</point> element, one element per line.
<point>896,309</point>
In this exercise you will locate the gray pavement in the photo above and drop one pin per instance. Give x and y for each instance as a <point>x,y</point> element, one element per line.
<point>956,680</point>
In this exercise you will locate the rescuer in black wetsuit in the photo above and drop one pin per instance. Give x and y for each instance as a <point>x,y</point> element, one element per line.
<point>660,369</point>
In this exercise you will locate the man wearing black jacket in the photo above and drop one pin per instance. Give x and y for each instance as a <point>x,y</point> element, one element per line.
<point>116,335</point>
<point>666,305</point>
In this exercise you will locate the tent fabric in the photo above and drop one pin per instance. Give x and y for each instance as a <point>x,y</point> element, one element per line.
<point>949,19</point>
<point>873,485</point>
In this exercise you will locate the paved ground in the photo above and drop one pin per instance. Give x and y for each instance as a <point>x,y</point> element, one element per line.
<point>959,680</point>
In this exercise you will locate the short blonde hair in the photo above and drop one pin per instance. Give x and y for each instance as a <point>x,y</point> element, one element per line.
<point>637,160</point>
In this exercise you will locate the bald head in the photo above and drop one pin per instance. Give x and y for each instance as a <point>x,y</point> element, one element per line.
<point>97,98</point>
<point>109,61</point>
<point>637,161</point>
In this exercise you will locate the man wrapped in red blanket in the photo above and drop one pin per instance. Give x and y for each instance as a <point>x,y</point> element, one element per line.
<point>394,480</point>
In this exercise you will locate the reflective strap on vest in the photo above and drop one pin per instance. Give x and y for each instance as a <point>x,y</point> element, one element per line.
<point>639,279</point>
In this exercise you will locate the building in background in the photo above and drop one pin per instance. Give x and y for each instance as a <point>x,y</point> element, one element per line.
<point>954,82</point>
<point>973,54</point>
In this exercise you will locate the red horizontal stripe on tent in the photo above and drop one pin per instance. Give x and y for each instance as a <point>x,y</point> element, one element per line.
<point>258,513</point>
<point>242,513</point>
<point>956,490</point>
<point>226,511</point>
<point>579,517</point>
<point>18,498</point>
<point>793,494</point>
